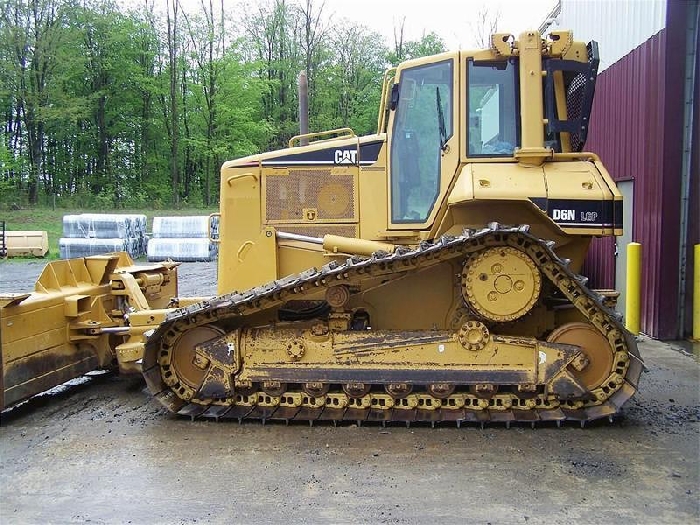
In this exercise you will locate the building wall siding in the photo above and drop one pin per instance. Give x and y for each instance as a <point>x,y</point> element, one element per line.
<point>693,237</point>
<point>635,129</point>
<point>618,26</point>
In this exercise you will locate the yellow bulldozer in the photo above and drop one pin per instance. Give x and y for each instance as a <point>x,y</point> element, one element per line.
<point>428,272</point>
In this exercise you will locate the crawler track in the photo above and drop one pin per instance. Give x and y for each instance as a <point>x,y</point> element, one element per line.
<point>462,405</point>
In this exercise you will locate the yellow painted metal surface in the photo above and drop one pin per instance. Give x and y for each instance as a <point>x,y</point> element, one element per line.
<point>264,348</point>
<point>506,182</point>
<point>23,243</point>
<point>67,326</point>
<point>532,150</point>
<point>41,338</point>
<point>336,244</point>
<point>696,292</point>
<point>240,219</point>
<point>373,195</point>
<point>633,306</point>
<point>310,196</point>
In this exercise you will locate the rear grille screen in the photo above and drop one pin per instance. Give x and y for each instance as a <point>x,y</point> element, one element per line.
<point>332,196</point>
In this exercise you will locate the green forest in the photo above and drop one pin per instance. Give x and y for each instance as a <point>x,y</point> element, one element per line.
<point>111,105</point>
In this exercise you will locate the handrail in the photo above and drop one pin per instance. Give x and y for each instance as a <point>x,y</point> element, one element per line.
<point>342,133</point>
<point>576,155</point>
<point>383,115</point>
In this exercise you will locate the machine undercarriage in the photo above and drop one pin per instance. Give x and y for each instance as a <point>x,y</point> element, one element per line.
<point>231,357</point>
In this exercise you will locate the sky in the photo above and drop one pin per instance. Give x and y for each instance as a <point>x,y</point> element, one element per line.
<point>453,20</point>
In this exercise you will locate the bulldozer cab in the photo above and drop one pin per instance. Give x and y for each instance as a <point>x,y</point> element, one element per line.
<point>488,106</point>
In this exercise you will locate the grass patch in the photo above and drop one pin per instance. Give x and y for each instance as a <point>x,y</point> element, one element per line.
<point>51,220</point>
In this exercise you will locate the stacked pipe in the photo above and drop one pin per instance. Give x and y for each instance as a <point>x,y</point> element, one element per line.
<point>94,233</point>
<point>184,239</point>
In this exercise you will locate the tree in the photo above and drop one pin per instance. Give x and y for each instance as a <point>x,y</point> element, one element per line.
<point>429,44</point>
<point>106,106</point>
<point>32,34</point>
<point>111,80</point>
<point>208,54</point>
<point>486,24</point>
<point>350,95</point>
<point>272,37</point>
<point>173,8</point>
<point>313,35</point>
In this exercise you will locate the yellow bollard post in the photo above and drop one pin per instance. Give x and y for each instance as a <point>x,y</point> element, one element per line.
<point>633,304</point>
<point>696,293</point>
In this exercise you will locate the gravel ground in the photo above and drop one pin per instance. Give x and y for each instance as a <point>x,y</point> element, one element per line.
<point>194,279</point>
<point>103,452</point>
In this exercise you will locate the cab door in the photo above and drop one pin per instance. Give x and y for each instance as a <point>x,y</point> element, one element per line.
<point>424,148</point>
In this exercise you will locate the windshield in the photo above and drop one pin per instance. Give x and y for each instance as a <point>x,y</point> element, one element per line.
<point>422,127</point>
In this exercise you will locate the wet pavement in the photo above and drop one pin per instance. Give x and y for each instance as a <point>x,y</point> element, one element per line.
<point>102,451</point>
<point>689,347</point>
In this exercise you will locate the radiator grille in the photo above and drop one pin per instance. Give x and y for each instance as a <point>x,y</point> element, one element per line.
<point>332,195</point>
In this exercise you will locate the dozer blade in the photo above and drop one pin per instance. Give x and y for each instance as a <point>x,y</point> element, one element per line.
<point>42,338</point>
<point>67,326</point>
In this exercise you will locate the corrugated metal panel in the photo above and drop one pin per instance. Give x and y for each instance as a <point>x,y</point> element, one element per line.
<point>690,183</point>
<point>635,132</point>
<point>617,25</point>
<point>663,314</point>
<point>693,237</point>
<point>599,266</point>
<point>627,115</point>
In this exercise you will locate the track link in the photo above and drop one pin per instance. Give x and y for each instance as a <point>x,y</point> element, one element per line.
<point>294,404</point>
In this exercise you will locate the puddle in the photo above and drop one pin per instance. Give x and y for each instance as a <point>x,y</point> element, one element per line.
<point>688,347</point>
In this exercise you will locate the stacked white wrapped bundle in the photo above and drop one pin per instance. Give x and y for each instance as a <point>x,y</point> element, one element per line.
<point>94,233</point>
<point>70,248</point>
<point>187,227</point>
<point>181,250</point>
<point>183,239</point>
<point>139,240</point>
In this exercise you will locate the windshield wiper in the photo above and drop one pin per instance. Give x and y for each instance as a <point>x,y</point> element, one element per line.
<point>441,120</point>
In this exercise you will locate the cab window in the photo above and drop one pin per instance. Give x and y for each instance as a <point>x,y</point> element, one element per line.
<point>422,126</point>
<point>493,109</point>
